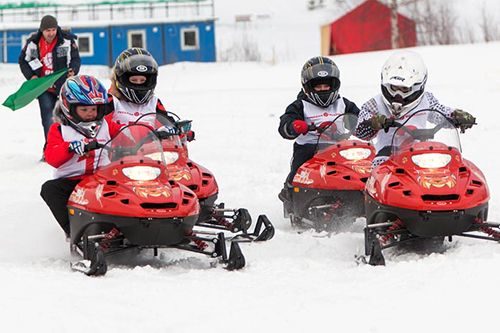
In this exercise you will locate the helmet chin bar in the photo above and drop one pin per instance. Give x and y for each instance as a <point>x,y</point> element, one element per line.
<point>89,129</point>
<point>137,96</point>
<point>92,128</point>
<point>323,99</point>
<point>400,109</point>
<point>397,109</point>
<point>399,105</point>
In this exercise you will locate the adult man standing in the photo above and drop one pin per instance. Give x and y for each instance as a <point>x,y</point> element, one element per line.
<point>46,51</point>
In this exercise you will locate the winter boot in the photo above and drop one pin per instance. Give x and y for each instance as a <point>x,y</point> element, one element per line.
<point>286,193</point>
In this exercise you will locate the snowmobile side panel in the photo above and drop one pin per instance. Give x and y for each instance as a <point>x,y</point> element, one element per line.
<point>348,203</point>
<point>206,207</point>
<point>329,170</point>
<point>203,181</point>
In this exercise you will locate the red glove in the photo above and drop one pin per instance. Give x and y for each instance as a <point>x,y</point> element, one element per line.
<point>327,125</point>
<point>300,127</point>
<point>190,136</point>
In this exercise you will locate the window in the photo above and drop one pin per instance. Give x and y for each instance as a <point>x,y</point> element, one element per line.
<point>190,39</point>
<point>85,44</point>
<point>136,38</point>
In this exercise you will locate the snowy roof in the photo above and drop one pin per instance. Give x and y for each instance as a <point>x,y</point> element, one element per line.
<point>29,14</point>
<point>35,4</point>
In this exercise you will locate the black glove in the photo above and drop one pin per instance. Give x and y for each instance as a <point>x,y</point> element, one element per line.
<point>165,132</point>
<point>190,136</point>
<point>463,119</point>
<point>184,126</point>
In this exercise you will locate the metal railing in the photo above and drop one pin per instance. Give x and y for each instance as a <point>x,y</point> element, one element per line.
<point>111,11</point>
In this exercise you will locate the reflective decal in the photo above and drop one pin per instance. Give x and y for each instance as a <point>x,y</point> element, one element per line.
<point>322,172</point>
<point>78,197</point>
<point>438,178</point>
<point>98,193</point>
<point>156,190</point>
<point>303,177</point>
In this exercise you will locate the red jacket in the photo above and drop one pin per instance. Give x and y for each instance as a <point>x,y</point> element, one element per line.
<point>56,150</point>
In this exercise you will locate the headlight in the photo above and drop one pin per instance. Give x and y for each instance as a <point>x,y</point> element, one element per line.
<point>141,172</point>
<point>170,156</point>
<point>354,154</point>
<point>431,160</point>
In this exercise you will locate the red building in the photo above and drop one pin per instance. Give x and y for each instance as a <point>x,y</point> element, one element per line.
<point>366,28</point>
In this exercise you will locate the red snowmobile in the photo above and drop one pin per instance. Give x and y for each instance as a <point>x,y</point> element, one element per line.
<point>328,189</point>
<point>202,182</point>
<point>130,202</point>
<point>426,190</point>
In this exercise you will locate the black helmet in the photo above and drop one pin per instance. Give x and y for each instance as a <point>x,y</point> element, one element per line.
<point>320,70</point>
<point>136,61</point>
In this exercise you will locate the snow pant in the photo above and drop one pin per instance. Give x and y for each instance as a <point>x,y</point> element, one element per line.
<point>301,154</point>
<point>47,101</point>
<point>56,193</point>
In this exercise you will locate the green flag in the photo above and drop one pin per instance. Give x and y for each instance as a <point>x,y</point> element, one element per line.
<point>31,89</point>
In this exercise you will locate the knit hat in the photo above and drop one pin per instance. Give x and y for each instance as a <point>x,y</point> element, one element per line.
<point>48,21</point>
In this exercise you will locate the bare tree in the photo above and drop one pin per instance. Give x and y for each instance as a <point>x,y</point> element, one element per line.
<point>436,22</point>
<point>467,34</point>
<point>395,6</point>
<point>340,5</point>
<point>445,24</point>
<point>489,25</point>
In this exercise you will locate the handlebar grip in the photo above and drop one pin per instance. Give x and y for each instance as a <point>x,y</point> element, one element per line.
<point>93,145</point>
<point>312,127</point>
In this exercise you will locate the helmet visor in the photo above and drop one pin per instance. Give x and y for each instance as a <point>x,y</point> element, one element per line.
<point>401,89</point>
<point>138,64</point>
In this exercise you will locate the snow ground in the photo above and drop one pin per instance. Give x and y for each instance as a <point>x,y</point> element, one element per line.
<point>295,282</point>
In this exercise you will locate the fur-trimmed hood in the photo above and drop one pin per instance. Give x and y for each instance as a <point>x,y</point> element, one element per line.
<point>58,115</point>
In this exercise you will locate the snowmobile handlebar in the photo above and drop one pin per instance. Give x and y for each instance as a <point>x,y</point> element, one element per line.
<point>184,126</point>
<point>421,134</point>
<point>459,123</point>
<point>312,127</point>
<point>93,145</point>
<point>320,129</point>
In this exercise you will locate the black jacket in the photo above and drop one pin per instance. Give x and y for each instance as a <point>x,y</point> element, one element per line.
<point>295,111</point>
<point>64,55</point>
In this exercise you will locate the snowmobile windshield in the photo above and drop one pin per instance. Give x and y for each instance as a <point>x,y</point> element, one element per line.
<point>429,126</point>
<point>339,129</point>
<point>166,126</point>
<point>136,143</point>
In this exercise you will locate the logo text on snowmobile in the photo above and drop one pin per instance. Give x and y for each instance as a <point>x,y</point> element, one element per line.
<point>322,73</point>
<point>141,68</point>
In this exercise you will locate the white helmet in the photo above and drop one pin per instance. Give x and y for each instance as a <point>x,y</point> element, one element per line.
<point>403,81</point>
